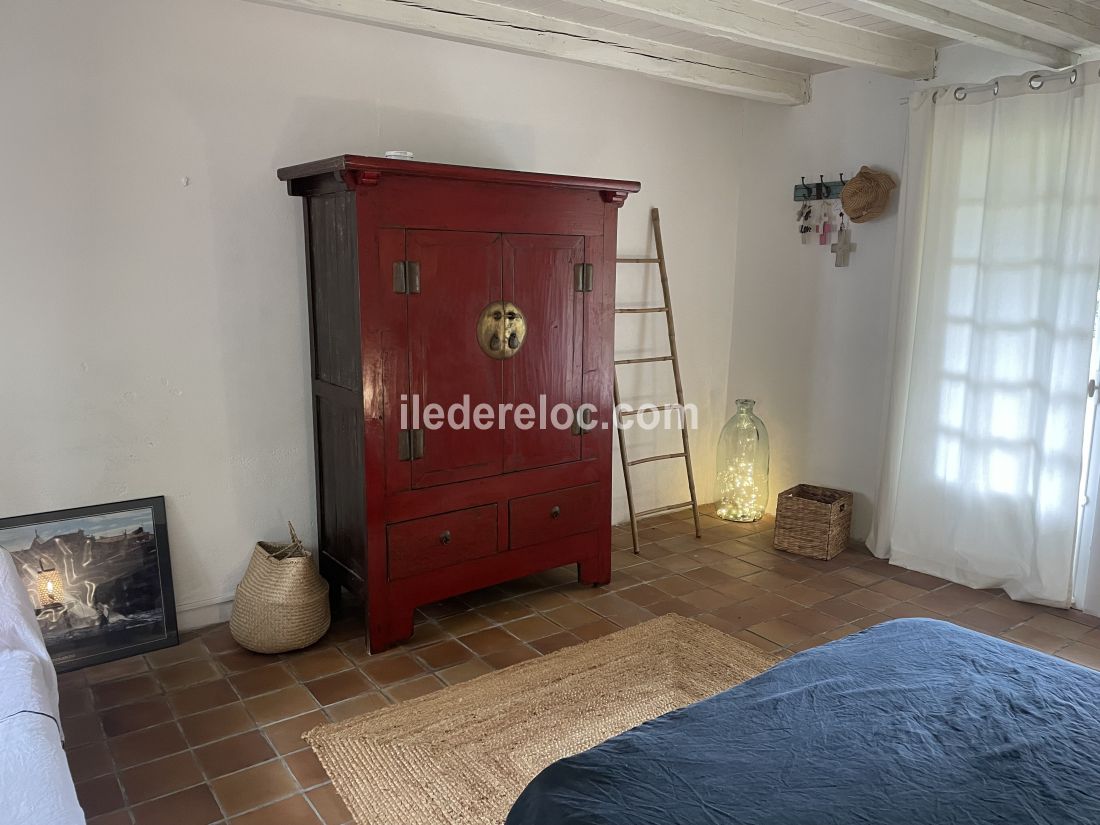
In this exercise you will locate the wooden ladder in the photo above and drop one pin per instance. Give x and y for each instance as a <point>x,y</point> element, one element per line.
<point>674,359</point>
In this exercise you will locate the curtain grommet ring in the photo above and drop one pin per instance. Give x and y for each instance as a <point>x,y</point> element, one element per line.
<point>960,94</point>
<point>1035,82</point>
<point>1072,77</point>
<point>996,87</point>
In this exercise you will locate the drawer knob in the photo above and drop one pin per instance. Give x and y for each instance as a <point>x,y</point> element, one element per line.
<point>555,511</point>
<point>445,537</point>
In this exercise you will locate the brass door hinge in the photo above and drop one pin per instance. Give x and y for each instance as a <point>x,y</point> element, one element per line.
<point>406,277</point>
<point>410,445</point>
<point>583,275</point>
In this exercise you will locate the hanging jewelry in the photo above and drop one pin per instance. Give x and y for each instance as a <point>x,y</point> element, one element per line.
<point>826,224</point>
<point>805,222</point>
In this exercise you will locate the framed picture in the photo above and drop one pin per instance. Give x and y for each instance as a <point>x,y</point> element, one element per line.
<point>100,579</point>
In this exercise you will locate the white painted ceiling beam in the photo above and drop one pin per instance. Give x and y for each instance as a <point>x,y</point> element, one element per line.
<point>941,17</point>
<point>491,24</point>
<point>1067,22</point>
<point>766,26</point>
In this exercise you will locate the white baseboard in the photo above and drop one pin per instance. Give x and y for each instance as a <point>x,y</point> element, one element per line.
<point>193,615</point>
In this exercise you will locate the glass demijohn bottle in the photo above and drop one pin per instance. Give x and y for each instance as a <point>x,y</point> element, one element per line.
<point>743,466</point>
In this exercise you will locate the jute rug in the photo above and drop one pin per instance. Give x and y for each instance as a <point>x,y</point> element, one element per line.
<point>461,755</point>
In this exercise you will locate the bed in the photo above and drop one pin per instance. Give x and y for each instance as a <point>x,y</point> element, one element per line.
<point>912,722</point>
<point>35,783</point>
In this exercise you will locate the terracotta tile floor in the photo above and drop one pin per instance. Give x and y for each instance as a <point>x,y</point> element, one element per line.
<point>209,733</point>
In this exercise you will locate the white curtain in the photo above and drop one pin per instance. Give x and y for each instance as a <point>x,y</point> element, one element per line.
<point>999,259</point>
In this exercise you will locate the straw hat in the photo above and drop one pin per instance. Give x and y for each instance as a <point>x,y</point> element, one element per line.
<point>865,196</point>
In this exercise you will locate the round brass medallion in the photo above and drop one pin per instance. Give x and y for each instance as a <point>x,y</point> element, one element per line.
<point>501,328</point>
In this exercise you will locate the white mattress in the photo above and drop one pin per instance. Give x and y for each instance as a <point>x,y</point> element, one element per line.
<point>35,783</point>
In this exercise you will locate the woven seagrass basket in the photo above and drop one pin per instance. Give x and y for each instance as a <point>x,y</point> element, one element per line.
<point>282,602</point>
<point>813,521</point>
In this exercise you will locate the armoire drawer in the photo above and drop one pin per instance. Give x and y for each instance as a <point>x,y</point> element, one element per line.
<point>430,543</point>
<point>549,516</point>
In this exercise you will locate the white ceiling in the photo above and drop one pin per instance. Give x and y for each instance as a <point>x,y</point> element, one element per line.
<point>667,34</point>
<point>744,47</point>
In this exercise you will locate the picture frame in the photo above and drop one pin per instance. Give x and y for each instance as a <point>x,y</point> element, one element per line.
<point>99,578</point>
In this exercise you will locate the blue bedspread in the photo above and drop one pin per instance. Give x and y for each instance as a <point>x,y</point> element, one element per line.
<point>913,722</point>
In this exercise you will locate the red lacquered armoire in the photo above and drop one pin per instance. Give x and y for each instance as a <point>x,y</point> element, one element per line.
<point>457,287</point>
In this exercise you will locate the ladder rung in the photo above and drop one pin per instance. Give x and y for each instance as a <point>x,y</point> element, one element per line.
<point>664,509</point>
<point>642,309</point>
<point>654,408</point>
<point>655,458</point>
<point>637,260</point>
<point>644,360</point>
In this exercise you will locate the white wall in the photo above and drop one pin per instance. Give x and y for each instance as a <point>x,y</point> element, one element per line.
<point>810,342</point>
<point>154,336</point>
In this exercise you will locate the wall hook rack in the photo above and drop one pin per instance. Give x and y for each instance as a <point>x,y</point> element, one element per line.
<point>822,190</point>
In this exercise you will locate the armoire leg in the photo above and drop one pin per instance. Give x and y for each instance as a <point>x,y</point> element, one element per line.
<point>394,629</point>
<point>335,600</point>
<point>335,590</point>
<point>595,572</point>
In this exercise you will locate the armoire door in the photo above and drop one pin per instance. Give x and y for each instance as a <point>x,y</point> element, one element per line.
<point>460,273</point>
<point>539,280</point>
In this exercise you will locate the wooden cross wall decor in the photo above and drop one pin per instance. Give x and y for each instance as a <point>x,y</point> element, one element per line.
<point>843,247</point>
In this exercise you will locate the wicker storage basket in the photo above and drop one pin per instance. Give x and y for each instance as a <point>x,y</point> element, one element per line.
<point>282,602</point>
<point>813,521</point>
